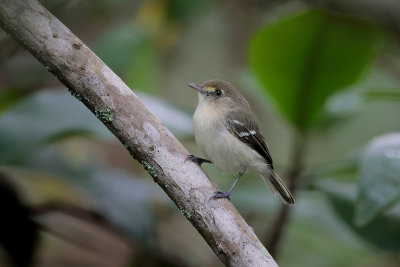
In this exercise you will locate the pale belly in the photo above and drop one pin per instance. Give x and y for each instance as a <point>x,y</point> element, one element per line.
<point>227,153</point>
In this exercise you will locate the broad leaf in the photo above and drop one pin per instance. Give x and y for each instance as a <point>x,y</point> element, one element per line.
<point>132,54</point>
<point>379,177</point>
<point>383,231</point>
<point>304,59</point>
<point>43,117</point>
<point>117,46</point>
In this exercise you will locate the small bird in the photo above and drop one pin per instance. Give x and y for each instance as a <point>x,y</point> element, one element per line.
<point>227,133</point>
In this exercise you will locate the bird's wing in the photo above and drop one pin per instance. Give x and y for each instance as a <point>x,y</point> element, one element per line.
<point>246,130</point>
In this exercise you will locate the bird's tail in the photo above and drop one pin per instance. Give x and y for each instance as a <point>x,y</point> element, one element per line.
<point>276,185</point>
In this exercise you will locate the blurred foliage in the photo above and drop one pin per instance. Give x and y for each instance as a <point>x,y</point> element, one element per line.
<point>8,97</point>
<point>379,181</point>
<point>314,66</point>
<point>379,231</point>
<point>36,114</point>
<point>303,60</point>
<point>388,95</point>
<point>141,70</point>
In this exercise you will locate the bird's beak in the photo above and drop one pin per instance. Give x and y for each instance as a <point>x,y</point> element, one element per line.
<point>197,87</point>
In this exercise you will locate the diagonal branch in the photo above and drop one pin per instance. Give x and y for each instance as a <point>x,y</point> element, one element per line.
<point>148,141</point>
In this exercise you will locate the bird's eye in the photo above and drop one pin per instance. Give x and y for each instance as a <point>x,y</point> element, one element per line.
<point>218,92</point>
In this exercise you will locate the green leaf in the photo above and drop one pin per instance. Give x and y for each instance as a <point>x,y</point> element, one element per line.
<point>383,231</point>
<point>117,45</point>
<point>388,95</point>
<point>180,10</point>
<point>133,54</point>
<point>10,96</point>
<point>41,118</point>
<point>379,177</point>
<point>304,59</point>
<point>143,70</point>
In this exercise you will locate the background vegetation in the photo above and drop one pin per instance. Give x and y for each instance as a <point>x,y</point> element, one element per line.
<point>323,81</point>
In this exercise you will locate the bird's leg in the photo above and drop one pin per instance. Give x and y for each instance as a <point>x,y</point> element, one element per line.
<point>227,194</point>
<point>197,159</point>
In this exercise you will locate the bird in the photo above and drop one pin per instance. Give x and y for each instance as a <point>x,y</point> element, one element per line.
<point>227,133</point>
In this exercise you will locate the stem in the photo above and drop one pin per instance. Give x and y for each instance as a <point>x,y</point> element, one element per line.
<point>276,234</point>
<point>303,114</point>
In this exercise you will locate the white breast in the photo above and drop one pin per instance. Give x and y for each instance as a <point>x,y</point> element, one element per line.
<point>227,153</point>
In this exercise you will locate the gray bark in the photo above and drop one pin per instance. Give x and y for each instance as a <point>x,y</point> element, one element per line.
<point>148,140</point>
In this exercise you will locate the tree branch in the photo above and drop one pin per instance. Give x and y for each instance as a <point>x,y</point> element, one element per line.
<point>148,141</point>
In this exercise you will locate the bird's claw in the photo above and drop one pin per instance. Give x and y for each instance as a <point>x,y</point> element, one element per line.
<point>197,160</point>
<point>191,158</point>
<point>220,194</point>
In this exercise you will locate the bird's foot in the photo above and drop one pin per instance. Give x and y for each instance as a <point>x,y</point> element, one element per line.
<point>220,194</point>
<point>196,159</point>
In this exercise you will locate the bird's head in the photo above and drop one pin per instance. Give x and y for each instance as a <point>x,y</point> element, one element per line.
<point>218,92</point>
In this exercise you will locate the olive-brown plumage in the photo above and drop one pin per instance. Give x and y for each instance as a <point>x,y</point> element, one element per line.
<point>227,133</point>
